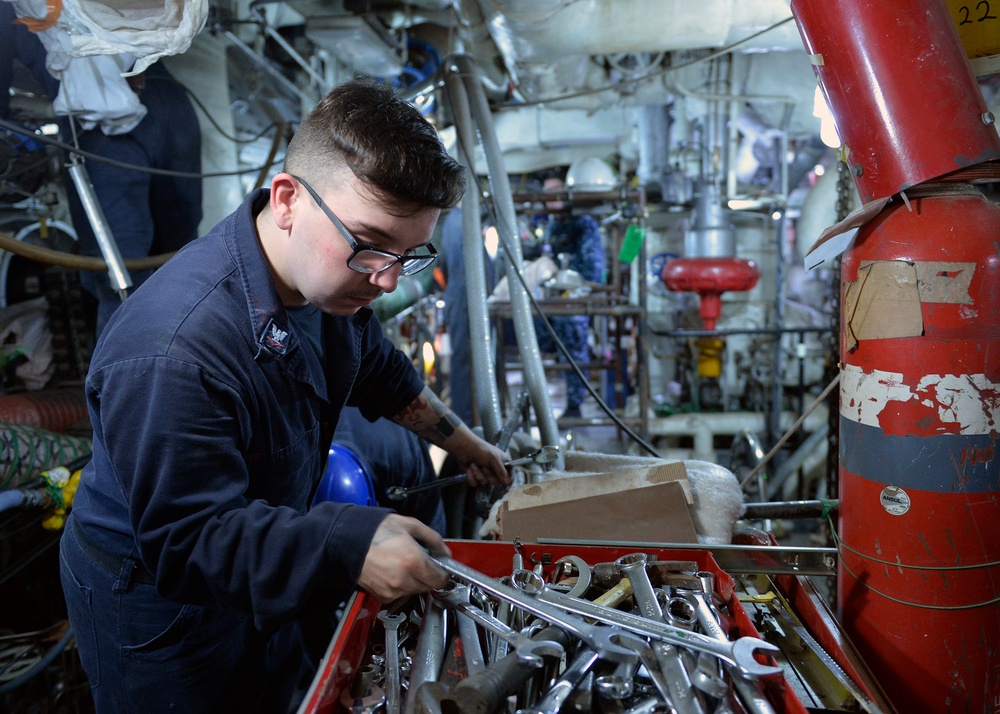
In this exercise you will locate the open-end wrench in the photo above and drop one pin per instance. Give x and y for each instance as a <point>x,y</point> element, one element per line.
<point>392,683</point>
<point>583,576</point>
<point>751,695</point>
<point>543,455</point>
<point>472,646</point>
<point>682,695</point>
<point>595,637</point>
<point>739,652</point>
<point>525,648</point>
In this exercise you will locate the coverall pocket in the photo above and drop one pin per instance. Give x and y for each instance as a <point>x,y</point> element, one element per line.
<point>151,626</point>
<point>79,606</point>
<point>193,664</point>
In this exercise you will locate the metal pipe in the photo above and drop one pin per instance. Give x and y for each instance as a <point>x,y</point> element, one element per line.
<point>266,66</point>
<point>299,60</point>
<point>793,462</point>
<point>524,326</point>
<point>788,509</point>
<point>736,331</point>
<point>481,347</point>
<point>117,272</point>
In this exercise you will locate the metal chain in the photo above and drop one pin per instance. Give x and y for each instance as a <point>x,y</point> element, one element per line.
<point>844,188</point>
<point>843,208</point>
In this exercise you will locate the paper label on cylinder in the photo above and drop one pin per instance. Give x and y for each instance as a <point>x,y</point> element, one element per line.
<point>894,500</point>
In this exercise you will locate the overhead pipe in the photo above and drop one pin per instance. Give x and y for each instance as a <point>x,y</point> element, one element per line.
<point>524,326</point>
<point>481,347</point>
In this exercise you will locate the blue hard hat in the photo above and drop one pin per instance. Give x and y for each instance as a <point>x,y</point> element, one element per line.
<point>346,479</point>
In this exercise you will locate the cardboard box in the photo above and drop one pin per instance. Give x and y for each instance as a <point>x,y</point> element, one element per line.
<point>633,499</point>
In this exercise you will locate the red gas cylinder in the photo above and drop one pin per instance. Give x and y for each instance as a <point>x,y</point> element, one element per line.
<point>919,580</point>
<point>710,277</point>
<point>898,82</point>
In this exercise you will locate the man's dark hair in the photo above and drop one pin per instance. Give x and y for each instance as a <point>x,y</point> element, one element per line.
<point>385,142</point>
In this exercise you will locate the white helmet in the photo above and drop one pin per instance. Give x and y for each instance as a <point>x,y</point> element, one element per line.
<point>590,174</point>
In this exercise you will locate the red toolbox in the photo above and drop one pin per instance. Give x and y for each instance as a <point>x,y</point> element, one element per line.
<point>352,638</point>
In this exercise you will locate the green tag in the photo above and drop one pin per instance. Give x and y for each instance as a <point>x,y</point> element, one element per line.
<point>632,243</point>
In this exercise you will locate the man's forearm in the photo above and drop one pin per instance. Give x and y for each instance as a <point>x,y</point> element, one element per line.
<point>427,416</point>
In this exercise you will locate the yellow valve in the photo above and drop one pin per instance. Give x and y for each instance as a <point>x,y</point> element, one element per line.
<point>709,357</point>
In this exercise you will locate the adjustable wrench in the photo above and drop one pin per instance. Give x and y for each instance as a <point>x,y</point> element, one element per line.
<point>595,637</point>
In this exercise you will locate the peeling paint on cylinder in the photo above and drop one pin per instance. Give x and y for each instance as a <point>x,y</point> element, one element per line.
<point>920,417</point>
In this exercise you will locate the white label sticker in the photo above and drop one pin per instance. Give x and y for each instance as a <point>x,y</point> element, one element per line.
<point>895,500</point>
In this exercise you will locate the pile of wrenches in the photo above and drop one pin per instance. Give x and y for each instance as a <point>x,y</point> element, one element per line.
<point>653,639</point>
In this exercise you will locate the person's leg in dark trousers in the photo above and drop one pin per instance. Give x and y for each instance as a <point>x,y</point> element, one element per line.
<point>144,654</point>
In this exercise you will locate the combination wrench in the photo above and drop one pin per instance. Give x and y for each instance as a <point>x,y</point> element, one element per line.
<point>392,674</point>
<point>526,649</point>
<point>599,639</point>
<point>681,694</point>
<point>739,652</point>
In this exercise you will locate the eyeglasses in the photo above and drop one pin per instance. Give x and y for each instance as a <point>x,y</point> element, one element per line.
<point>371,260</point>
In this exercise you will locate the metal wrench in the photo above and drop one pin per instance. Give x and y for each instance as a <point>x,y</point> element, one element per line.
<point>428,656</point>
<point>739,652</point>
<point>682,695</point>
<point>471,644</point>
<point>583,573</point>
<point>542,456</point>
<point>559,692</point>
<point>526,648</point>
<point>392,683</point>
<point>751,696</point>
<point>595,637</point>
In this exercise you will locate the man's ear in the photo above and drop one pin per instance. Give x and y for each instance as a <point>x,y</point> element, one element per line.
<point>282,199</point>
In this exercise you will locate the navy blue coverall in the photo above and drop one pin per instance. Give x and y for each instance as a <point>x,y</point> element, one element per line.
<point>191,553</point>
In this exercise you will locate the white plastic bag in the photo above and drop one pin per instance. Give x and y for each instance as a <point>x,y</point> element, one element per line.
<point>94,91</point>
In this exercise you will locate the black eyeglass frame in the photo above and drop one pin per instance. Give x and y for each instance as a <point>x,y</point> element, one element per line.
<point>407,262</point>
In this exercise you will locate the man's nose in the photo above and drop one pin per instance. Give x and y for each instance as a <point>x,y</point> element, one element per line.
<point>387,280</point>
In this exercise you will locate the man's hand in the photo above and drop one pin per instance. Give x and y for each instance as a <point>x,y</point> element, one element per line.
<point>482,462</point>
<point>428,417</point>
<point>396,566</point>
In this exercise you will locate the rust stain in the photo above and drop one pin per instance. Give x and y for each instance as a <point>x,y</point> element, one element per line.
<point>978,456</point>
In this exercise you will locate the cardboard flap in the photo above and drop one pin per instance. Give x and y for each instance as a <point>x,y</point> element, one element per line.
<point>649,503</point>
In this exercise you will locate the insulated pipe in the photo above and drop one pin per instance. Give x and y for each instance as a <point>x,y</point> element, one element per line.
<point>703,427</point>
<point>480,336</point>
<point>524,326</point>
